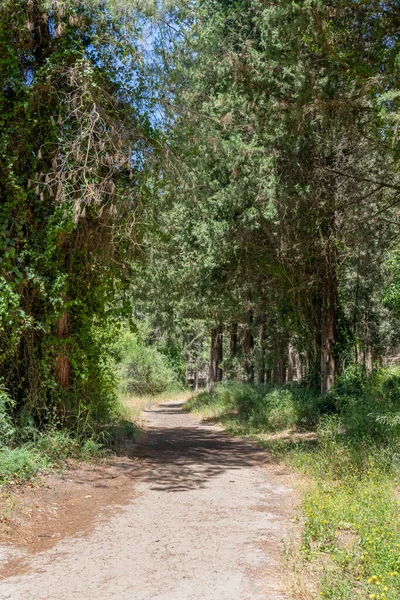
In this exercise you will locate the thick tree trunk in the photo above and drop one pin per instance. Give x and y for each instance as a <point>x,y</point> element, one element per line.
<point>368,360</point>
<point>248,345</point>
<point>216,356</point>
<point>196,381</point>
<point>63,364</point>
<point>261,338</point>
<point>329,328</point>
<point>233,350</point>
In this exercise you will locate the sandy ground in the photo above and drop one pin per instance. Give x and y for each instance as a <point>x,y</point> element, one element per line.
<point>192,515</point>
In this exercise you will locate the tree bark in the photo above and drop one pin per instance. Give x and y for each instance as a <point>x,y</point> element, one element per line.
<point>261,338</point>
<point>248,345</point>
<point>219,353</point>
<point>291,362</point>
<point>234,340</point>
<point>282,368</point>
<point>367,352</point>
<point>329,327</point>
<point>216,356</point>
<point>300,368</point>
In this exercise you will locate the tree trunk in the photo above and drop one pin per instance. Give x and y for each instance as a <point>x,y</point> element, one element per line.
<point>248,345</point>
<point>63,364</point>
<point>282,373</point>
<point>329,328</point>
<point>234,340</point>
<point>300,368</point>
<point>196,381</point>
<point>219,353</point>
<point>261,338</point>
<point>367,353</point>
<point>216,356</point>
<point>291,362</point>
<point>40,32</point>
<point>282,367</point>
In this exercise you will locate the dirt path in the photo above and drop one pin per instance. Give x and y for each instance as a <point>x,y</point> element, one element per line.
<point>206,523</point>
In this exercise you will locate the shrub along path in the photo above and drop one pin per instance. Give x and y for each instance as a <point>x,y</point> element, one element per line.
<point>207,521</point>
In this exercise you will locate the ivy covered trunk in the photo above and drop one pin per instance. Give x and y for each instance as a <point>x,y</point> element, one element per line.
<point>63,363</point>
<point>67,183</point>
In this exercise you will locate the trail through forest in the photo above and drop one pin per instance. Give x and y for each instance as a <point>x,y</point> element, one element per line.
<point>206,521</point>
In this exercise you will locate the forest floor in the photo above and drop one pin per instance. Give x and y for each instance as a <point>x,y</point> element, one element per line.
<point>187,513</point>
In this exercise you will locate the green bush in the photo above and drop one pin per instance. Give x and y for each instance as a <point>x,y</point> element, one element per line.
<point>145,370</point>
<point>358,408</point>
<point>369,406</point>
<point>19,464</point>
<point>263,407</point>
<point>58,445</point>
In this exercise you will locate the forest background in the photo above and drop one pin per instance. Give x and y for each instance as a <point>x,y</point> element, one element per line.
<point>206,194</point>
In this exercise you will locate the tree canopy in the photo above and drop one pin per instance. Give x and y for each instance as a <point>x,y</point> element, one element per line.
<point>222,167</point>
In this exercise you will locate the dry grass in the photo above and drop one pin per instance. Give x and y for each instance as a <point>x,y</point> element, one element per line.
<point>302,581</point>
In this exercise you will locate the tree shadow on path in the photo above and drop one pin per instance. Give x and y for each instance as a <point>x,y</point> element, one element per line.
<point>179,454</point>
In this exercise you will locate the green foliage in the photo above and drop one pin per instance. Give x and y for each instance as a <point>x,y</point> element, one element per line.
<point>41,451</point>
<point>56,446</point>
<point>368,407</point>
<point>351,509</point>
<point>145,368</point>
<point>19,464</point>
<point>73,140</point>
<point>7,428</point>
<point>359,409</point>
<point>260,408</point>
<point>280,185</point>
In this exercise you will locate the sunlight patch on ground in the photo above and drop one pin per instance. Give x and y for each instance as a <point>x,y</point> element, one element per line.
<point>135,405</point>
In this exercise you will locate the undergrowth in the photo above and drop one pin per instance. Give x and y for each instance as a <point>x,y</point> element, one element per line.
<point>26,451</point>
<point>145,369</point>
<point>350,511</point>
<point>47,451</point>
